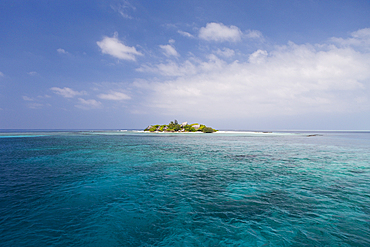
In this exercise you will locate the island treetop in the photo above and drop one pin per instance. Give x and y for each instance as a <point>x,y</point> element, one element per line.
<point>174,126</point>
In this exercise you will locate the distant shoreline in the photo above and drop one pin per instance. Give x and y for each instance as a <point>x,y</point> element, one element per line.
<point>219,131</point>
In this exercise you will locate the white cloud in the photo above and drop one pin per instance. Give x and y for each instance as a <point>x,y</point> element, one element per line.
<point>360,38</point>
<point>185,34</point>
<point>32,73</point>
<point>122,8</point>
<point>169,50</point>
<point>289,80</point>
<point>281,81</point>
<point>258,57</point>
<point>88,104</point>
<point>66,92</point>
<point>114,47</point>
<point>225,52</point>
<point>170,69</point>
<point>35,105</point>
<point>44,96</point>
<point>61,51</point>
<point>186,68</point>
<point>254,34</point>
<point>114,96</point>
<point>26,98</point>
<point>220,32</point>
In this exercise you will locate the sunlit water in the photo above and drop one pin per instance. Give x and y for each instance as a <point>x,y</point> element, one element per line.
<point>221,189</point>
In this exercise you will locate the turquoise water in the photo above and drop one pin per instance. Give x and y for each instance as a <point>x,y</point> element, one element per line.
<point>222,189</point>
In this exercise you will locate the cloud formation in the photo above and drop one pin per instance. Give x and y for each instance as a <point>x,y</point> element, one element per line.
<point>114,96</point>
<point>61,51</point>
<point>359,38</point>
<point>258,57</point>
<point>288,80</point>
<point>169,50</point>
<point>225,52</point>
<point>170,69</point>
<point>87,104</point>
<point>185,34</point>
<point>122,8</point>
<point>253,34</point>
<point>112,46</point>
<point>219,32</point>
<point>35,105</point>
<point>26,98</point>
<point>66,92</point>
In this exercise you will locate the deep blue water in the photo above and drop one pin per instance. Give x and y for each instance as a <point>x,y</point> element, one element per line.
<point>222,189</point>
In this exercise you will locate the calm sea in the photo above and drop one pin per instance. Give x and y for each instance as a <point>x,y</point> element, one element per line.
<point>222,189</point>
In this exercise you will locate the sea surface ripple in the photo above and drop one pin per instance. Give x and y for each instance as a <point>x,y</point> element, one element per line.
<point>222,189</point>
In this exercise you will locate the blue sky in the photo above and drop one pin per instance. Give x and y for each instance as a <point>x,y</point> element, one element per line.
<point>250,65</point>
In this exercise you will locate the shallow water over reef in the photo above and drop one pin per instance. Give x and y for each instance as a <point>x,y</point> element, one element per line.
<point>220,189</point>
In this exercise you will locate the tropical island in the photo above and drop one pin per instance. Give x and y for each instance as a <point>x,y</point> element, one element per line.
<point>174,126</point>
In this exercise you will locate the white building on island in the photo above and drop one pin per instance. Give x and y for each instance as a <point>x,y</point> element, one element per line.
<point>196,126</point>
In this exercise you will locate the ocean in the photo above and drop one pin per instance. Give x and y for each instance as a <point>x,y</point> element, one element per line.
<point>128,188</point>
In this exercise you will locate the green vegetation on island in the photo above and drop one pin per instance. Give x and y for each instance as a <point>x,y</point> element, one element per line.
<point>176,127</point>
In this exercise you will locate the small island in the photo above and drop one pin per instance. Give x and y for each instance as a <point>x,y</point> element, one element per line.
<point>176,127</point>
